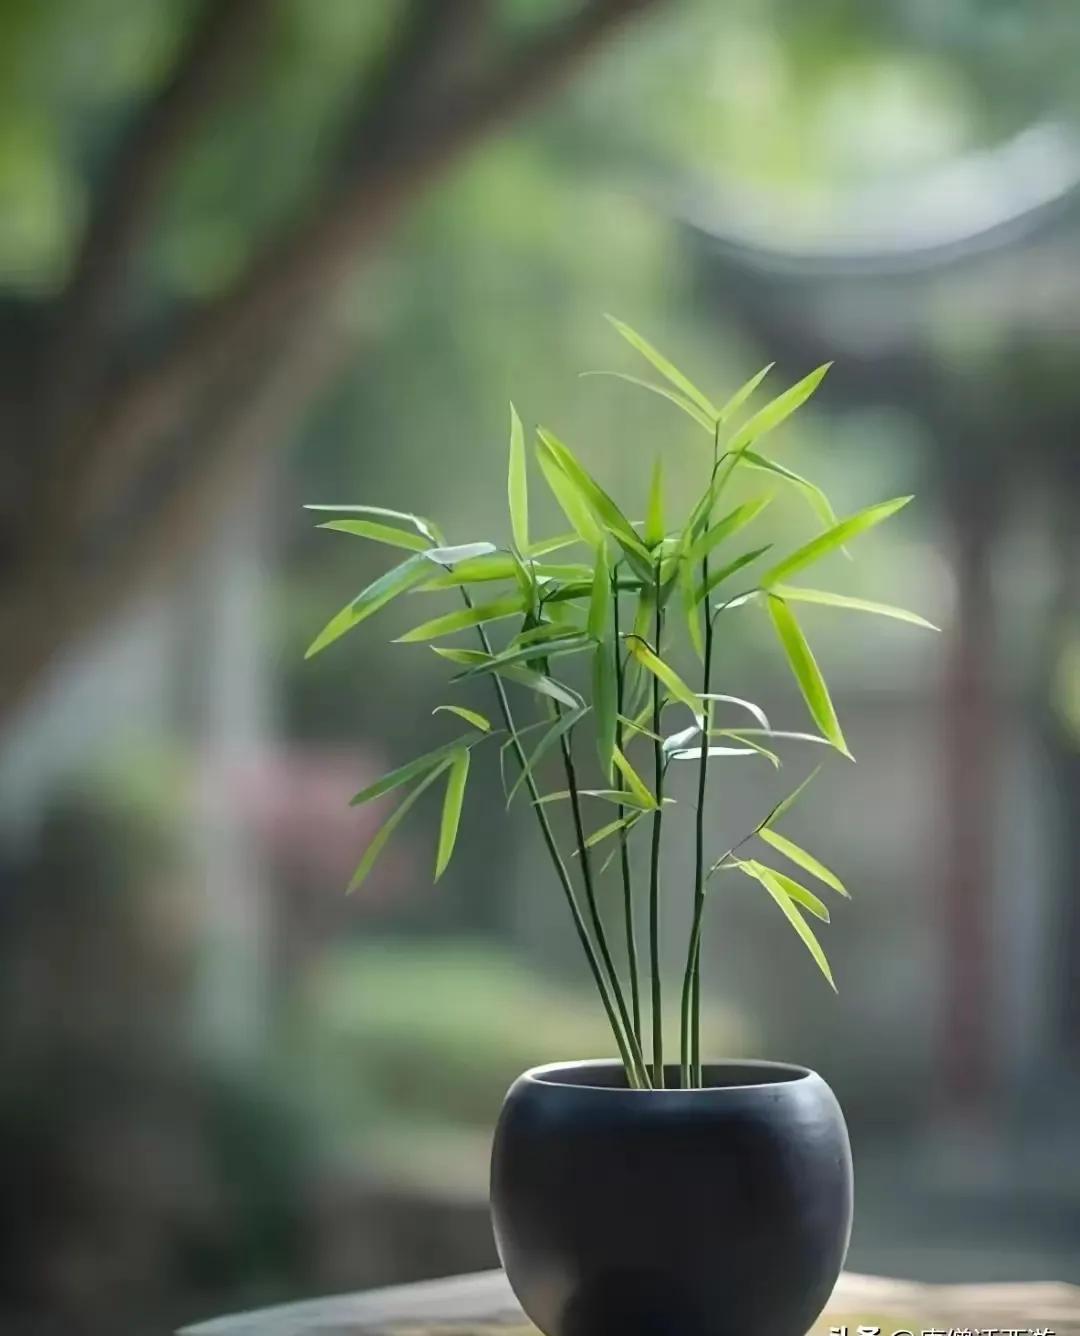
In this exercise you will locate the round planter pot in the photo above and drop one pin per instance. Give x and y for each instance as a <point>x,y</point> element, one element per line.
<point>717,1212</point>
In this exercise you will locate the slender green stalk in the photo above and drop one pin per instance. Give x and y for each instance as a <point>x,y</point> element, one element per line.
<point>625,1053</point>
<point>591,901</point>
<point>654,863</point>
<point>624,839</point>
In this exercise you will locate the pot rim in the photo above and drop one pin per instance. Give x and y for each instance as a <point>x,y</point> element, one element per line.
<point>784,1074</point>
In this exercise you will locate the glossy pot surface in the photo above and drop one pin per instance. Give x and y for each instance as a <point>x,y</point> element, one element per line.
<point>717,1212</point>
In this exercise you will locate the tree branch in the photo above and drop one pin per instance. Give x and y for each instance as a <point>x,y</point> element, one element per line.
<point>314,258</point>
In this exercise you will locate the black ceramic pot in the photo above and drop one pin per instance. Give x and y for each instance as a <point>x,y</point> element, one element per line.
<point>717,1212</point>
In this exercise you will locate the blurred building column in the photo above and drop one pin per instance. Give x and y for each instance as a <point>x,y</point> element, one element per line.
<point>969,790</point>
<point>229,702</point>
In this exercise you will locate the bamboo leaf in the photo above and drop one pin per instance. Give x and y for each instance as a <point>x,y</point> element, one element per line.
<point>602,507</point>
<point>524,654</point>
<point>517,484</point>
<point>556,730</point>
<point>747,705</point>
<point>573,504</point>
<point>831,539</point>
<point>796,594</point>
<point>456,778</point>
<point>654,510</point>
<point>428,528</point>
<point>541,684</point>
<point>799,893</point>
<point>770,881</point>
<point>612,828</point>
<point>605,690</point>
<point>737,736</point>
<point>802,858</point>
<point>786,734</point>
<point>600,611</point>
<point>690,605</point>
<point>395,778</point>
<point>556,544</point>
<point>667,369</point>
<point>664,672</point>
<point>737,519</point>
<point>806,672</point>
<point>679,400</point>
<point>470,716</point>
<point>470,657</point>
<point>460,552</point>
<point>635,785</point>
<point>477,570</point>
<point>382,835</point>
<point>694,753</point>
<point>450,622</point>
<point>777,410</point>
<point>620,796</point>
<point>743,393</point>
<point>377,594</point>
<point>786,804</point>
<point>379,533</point>
<point>717,577</point>
<point>817,500</point>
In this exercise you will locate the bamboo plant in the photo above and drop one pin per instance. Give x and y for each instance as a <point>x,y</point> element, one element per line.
<point>618,595</point>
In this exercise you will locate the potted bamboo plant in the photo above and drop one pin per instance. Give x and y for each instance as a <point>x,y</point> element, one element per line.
<point>656,1192</point>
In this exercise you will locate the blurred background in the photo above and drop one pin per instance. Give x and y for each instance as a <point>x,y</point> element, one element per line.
<point>255,253</point>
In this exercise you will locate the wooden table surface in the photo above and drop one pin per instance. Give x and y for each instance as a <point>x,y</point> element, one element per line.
<point>483,1304</point>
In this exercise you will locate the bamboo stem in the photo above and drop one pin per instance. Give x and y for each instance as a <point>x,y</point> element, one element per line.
<point>654,865</point>
<point>560,866</point>
<point>624,840</point>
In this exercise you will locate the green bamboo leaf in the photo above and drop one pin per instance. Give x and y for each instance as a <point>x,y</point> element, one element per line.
<point>517,484</point>
<point>735,520</point>
<point>806,672</point>
<point>796,594</point>
<point>786,804</point>
<point>817,500</point>
<point>456,778</point>
<point>524,654</point>
<point>799,893</point>
<point>664,672</point>
<point>548,545</point>
<point>471,658</point>
<point>541,684</point>
<point>478,570</point>
<point>605,692</point>
<point>667,369</point>
<point>777,410</point>
<point>573,504</point>
<point>602,507</point>
<point>802,858</point>
<point>690,604</point>
<point>635,785</point>
<point>654,510</point>
<point>743,393</point>
<point>612,828</point>
<point>450,622</point>
<point>600,610</point>
<point>556,729</point>
<point>395,778</point>
<point>772,884</point>
<point>680,401</point>
<point>428,528</point>
<point>831,539</point>
<point>786,734</point>
<point>458,553</point>
<point>636,725</point>
<point>725,572</point>
<point>737,736</point>
<point>621,797</point>
<point>377,594</point>
<point>382,835</point>
<point>694,753</point>
<point>379,533</point>
<point>470,716</point>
